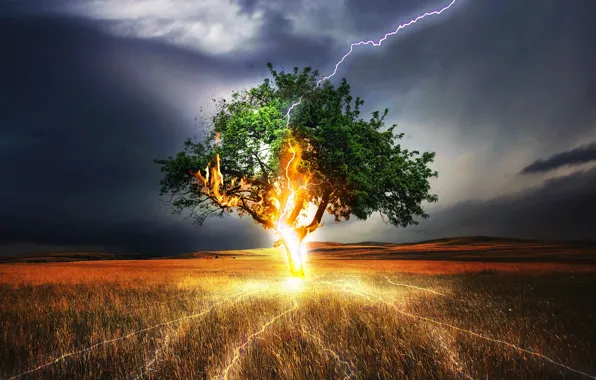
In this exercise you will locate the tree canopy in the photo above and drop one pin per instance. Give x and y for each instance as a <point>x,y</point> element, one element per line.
<point>275,167</point>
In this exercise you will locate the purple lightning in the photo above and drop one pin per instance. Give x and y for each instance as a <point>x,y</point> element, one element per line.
<point>375,44</point>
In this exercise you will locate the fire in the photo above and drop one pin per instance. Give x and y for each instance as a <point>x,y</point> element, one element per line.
<point>212,184</point>
<point>287,197</point>
<point>295,245</point>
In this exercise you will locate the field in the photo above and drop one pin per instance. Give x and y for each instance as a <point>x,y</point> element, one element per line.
<point>444,310</point>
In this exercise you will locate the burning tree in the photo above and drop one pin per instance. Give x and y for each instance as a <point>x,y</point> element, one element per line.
<point>286,175</point>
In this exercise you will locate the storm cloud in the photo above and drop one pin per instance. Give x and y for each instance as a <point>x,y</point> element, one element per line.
<point>579,155</point>
<point>80,132</point>
<point>92,91</point>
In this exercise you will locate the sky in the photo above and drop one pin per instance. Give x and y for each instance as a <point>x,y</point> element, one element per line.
<point>91,91</point>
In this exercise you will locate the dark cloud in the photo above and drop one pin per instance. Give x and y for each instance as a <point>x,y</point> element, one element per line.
<point>79,135</point>
<point>372,19</point>
<point>248,5</point>
<point>561,208</point>
<point>579,155</point>
<point>285,50</point>
<point>150,237</point>
<point>83,113</point>
<point>491,69</point>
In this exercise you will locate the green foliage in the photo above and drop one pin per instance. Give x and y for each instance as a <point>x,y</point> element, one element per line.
<point>357,166</point>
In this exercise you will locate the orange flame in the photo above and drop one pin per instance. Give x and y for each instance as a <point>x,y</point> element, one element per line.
<point>295,246</point>
<point>213,184</point>
<point>283,197</point>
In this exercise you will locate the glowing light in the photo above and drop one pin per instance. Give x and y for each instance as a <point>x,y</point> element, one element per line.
<point>373,43</point>
<point>294,284</point>
<point>238,350</point>
<point>297,250</point>
<point>294,244</point>
<point>282,196</point>
<point>130,335</point>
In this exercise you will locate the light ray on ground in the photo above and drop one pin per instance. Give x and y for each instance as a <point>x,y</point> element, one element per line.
<point>359,280</point>
<point>414,287</point>
<point>238,350</point>
<point>153,359</point>
<point>130,335</point>
<point>469,332</point>
<point>349,366</point>
<point>453,357</point>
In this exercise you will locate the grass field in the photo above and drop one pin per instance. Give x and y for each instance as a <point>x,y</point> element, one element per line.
<point>353,317</point>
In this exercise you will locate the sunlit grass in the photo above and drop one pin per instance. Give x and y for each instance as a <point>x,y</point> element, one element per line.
<point>185,319</point>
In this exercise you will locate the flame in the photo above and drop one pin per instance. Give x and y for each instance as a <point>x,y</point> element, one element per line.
<point>283,197</point>
<point>214,182</point>
<point>296,250</point>
<point>295,245</point>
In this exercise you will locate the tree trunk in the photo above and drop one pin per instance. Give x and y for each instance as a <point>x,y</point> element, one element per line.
<point>296,211</point>
<point>293,271</point>
<point>316,220</point>
<point>321,210</point>
<point>303,231</point>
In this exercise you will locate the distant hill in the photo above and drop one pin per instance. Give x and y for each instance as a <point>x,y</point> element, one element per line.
<point>257,252</point>
<point>465,248</point>
<point>58,257</point>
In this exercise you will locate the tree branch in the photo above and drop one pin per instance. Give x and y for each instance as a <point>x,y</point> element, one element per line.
<point>316,220</point>
<point>296,211</point>
<point>256,217</point>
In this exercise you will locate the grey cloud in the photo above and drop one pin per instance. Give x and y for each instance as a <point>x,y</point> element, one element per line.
<point>280,46</point>
<point>579,155</point>
<point>82,115</point>
<point>152,237</point>
<point>562,208</point>
<point>81,126</point>
<point>522,68</point>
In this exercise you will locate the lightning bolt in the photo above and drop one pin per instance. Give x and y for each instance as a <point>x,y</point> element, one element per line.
<point>130,335</point>
<point>373,43</point>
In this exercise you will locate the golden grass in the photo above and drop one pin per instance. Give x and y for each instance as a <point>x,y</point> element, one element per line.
<point>242,318</point>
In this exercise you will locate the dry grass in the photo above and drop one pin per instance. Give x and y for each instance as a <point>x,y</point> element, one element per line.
<point>198,318</point>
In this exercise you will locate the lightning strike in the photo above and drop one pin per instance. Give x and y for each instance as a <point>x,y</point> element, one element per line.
<point>387,35</point>
<point>295,247</point>
<point>237,350</point>
<point>373,43</point>
<point>286,206</point>
<point>469,332</point>
<point>130,335</point>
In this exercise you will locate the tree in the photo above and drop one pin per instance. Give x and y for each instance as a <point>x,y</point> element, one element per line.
<point>258,161</point>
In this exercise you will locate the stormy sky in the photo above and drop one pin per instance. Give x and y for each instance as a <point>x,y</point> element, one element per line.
<point>91,91</point>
